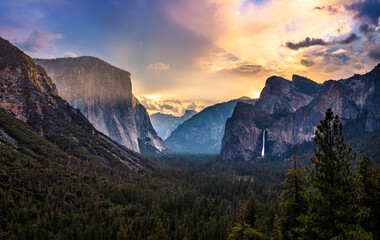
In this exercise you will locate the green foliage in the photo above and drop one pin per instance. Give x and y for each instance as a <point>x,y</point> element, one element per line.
<point>294,203</point>
<point>244,232</point>
<point>334,212</point>
<point>160,233</point>
<point>121,234</point>
<point>366,176</point>
<point>276,233</point>
<point>251,211</point>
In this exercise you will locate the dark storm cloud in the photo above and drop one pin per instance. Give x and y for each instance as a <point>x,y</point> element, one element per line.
<point>309,42</point>
<point>374,53</point>
<point>366,11</point>
<point>307,63</point>
<point>306,43</point>
<point>349,39</point>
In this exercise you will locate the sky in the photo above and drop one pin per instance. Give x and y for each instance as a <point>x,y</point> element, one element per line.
<point>189,54</point>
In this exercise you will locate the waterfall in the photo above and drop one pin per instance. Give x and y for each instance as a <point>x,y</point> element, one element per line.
<point>263,150</point>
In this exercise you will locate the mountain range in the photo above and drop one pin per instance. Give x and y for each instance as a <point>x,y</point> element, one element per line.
<point>164,124</point>
<point>288,112</point>
<point>203,132</point>
<point>103,93</point>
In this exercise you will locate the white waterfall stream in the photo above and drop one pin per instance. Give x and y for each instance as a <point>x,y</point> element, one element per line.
<point>263,150</point>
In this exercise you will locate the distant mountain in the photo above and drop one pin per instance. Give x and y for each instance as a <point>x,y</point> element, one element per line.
<point>203,132</point>
<point>356,100</point>
<point>28,94</point>
<point>164,124</point>
<point>103,93</point>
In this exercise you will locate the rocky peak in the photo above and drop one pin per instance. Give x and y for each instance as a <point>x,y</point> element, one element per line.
<point>189,113</point>
<point>281,96</point>
<point>18,69</point>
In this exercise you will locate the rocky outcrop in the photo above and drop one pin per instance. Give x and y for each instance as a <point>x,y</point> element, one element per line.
<point>281,96</point>
<point>103,93</point>
<point>246,125</point>
<point>164,124</point>
<point>203,132</point>
<point>356,100</point>
<point>30,95</point>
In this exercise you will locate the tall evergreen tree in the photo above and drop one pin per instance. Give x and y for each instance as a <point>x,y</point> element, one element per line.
<point>276,233</point>
<point>160,233</point>
<point>371,195</point>
<point>334,212</point>
<point>121,233</point>
<point>251,210</point>
<point>294,202</point>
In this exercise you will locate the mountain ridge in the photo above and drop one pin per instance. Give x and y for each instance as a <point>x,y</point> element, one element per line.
<point>356,100</point>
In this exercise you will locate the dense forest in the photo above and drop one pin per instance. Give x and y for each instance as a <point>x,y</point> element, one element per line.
<point>47,194</point>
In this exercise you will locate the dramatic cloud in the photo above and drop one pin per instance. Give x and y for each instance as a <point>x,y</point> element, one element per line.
<point>307,63</point>
<point>38,41</point>
<point>348,40</point>
<point>374,52</point>
<point>203,51</point>
<point>306,43</point>
<point>69,55</point>
<point>159,66</point>
<point>320,42</point>
<point>366,11</point>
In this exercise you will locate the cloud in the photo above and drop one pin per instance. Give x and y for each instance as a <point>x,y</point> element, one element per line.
<point>250,69</point>
<point>168,106</point>
<point>320,42</point>
<point>306,43</point>
<point>69,55</point>
<point>349,39</point>
<point>330,9</point>
<point>160,66</point>
<point>307,63</point>
<point>366,11</point>
<point>374,52</point>
<point>38,41</point>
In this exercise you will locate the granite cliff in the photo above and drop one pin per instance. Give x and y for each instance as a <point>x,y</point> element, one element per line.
<point>27,93</point>
<point>356,100</point>
<point>103,93</point>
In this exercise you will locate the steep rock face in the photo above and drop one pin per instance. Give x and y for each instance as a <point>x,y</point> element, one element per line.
<point>243,130</point>
<point>103,93</point>
<point>281,96</point>
<point>203,132</point>
<point>164,124</point>
<point>356,100</point>
<point>29,94</point>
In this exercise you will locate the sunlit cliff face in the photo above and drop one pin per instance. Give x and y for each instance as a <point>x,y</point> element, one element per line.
<point>193,53</point>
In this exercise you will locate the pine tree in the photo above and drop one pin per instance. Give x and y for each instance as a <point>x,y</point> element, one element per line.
<point>160,233</point>
<point>371,195</point>
<point>295,203</point>
<point>251,210</point>
<point>121,234</point>
<point>244,232</point>
<point>276,233</point>
<point>334,212</point>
